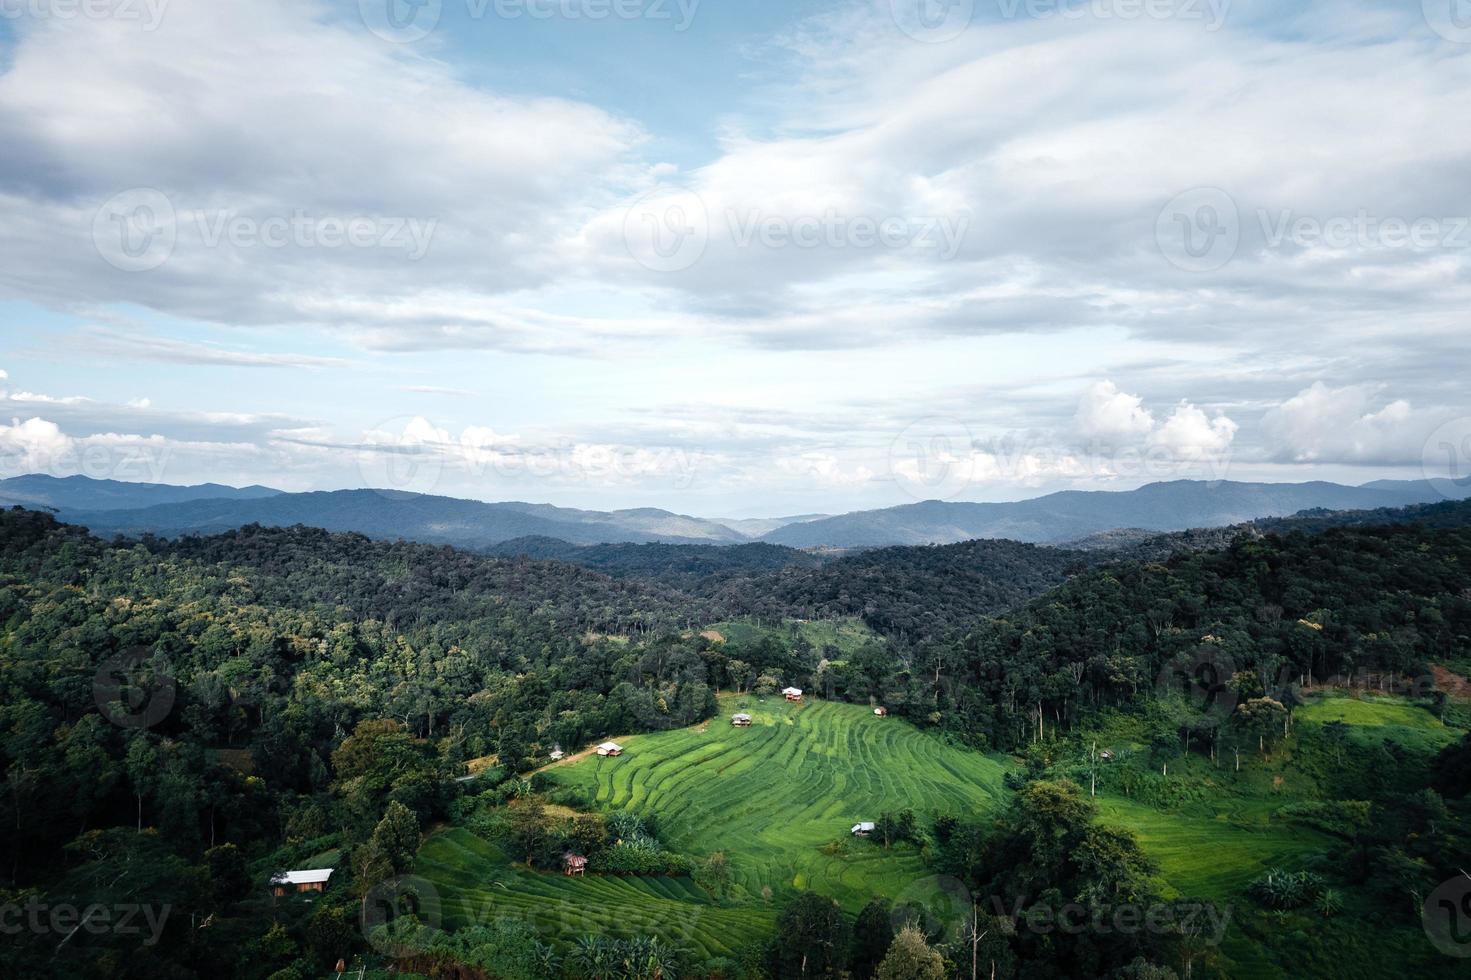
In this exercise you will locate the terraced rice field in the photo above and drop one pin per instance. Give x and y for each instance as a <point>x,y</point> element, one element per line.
<point>1379,718</point>
<point>477,884</point>
<point>779,798</point>
<point>1212,853</point>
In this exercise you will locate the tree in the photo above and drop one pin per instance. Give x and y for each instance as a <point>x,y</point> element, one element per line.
<point>896,827</point>
<point>530,828</point>
<point>397,836</point>
<point>714,874</point>
<point>740,674</point>
<point>872,934</point>
<point>910,958</point>
<point>811,938</point>
<point>142,766</point>
<point>1261,718</point>
<point>228,878</point>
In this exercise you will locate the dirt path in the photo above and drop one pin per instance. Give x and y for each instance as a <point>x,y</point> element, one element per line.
<point>1451,683</point>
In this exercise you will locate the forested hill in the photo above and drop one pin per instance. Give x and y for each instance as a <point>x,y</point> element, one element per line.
<point>178,719</point>
<point>908,592</point>
<point>1273,609</point>
<point>698,569</point>
<point>1137,543</point>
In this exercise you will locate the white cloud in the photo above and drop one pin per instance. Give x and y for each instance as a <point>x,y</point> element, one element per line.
<point>1106,413</point>
<point>268,109</point>
<point>1190,433</point>
<point>1323,424</point>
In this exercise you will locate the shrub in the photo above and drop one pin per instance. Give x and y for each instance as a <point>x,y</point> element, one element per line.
<point>1280,889</point>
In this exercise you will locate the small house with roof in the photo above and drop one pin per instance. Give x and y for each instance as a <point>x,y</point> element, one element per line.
<point>297,882</point>
<point>792,693</point>
<point>610,749</point>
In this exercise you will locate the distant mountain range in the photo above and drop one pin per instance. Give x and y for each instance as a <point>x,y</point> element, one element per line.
<point>113,507</point>
<point>1074,514</point>
<point>85,493</point>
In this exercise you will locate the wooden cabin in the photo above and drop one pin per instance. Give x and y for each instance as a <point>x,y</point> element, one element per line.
<point>792,693</point>
<point>574,864</point>
<point>741,720</point>
<point>298,882</point>
<point>557,755</point>
<point>610,749</point>
<point>863,828</point>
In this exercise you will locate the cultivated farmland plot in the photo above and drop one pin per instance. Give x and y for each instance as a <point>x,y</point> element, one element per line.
<point>779,798</point>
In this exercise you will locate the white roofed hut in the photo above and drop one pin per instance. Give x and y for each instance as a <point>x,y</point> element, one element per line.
<point>792,693</point>
<point>881,712</point>
<point>741,720</point>
<point>608,749</point>
<point>311,880</point>
<point>863,828</point>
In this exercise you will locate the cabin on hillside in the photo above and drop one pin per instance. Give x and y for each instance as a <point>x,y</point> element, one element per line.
<point>574,864</point>
<point>299,882</point>
<point>863,829</point>
<point>792,693</point>
<point>741,720</point>
<point>610,749</point>
<point>881,712</point>
<point>557,755</point>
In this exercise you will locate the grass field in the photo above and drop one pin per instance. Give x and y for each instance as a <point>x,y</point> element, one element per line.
<point>1376,719</point>
<point>780,797</point>
<point>477,884</point>
<point>1209,852</point>
<point>847,635</point>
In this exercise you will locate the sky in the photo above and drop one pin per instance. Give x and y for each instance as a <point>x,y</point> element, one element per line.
<point>736,259</point>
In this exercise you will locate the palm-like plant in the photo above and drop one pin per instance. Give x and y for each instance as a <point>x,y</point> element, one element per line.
<point>593,958</point>
<point>1329,903</point>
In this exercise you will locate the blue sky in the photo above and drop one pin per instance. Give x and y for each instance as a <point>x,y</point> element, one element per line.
<point>734,258</point>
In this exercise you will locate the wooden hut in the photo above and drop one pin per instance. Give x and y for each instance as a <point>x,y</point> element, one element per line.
<point>312,880</point>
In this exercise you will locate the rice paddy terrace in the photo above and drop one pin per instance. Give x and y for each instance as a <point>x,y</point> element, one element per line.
<point>477,883</point>
<point>779,798</point>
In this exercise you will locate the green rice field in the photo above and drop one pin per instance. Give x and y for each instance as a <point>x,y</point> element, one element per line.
<point>780,797</point>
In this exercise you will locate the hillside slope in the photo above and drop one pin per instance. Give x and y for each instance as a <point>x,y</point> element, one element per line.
<point>1074,514</point>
